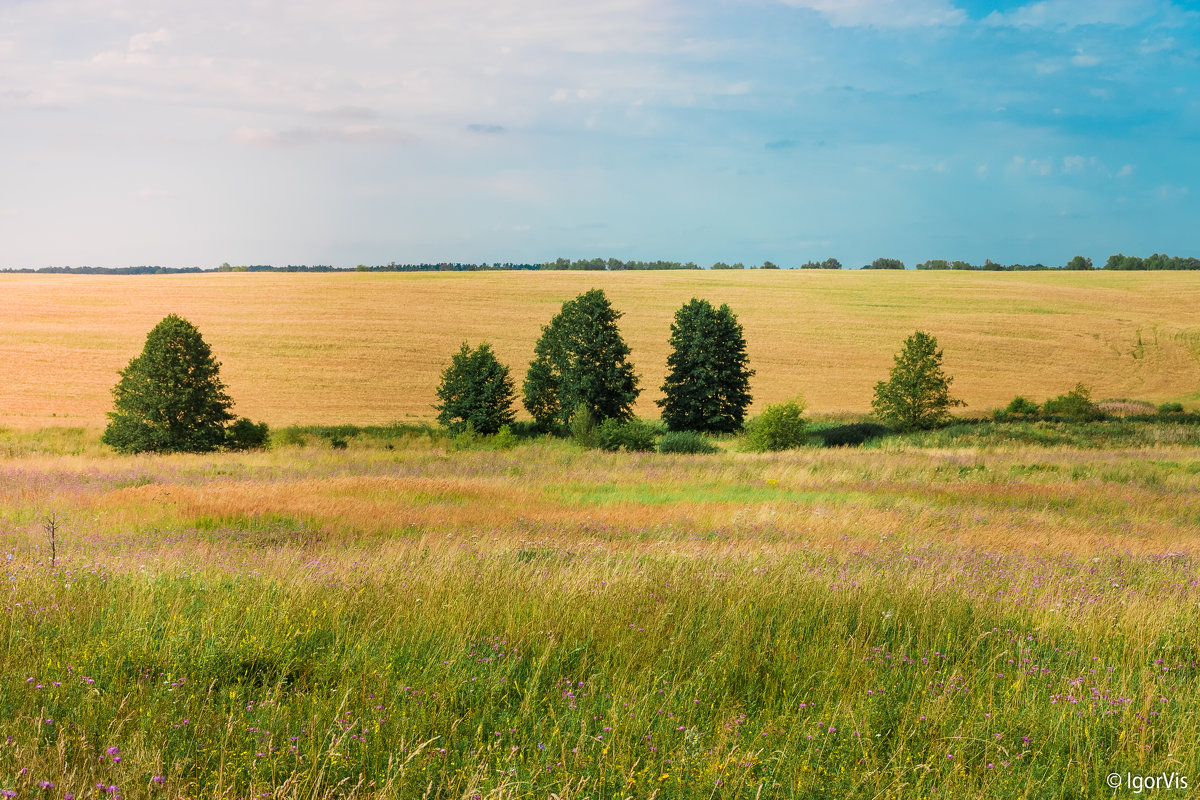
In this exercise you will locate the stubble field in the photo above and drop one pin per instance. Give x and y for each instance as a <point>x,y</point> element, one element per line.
<point>922,618</point>
<point>368,348</point>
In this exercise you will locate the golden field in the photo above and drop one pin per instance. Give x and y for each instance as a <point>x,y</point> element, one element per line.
<point>368,348</point>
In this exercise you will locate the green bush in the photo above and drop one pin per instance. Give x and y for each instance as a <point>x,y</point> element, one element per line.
<point>1021,407</point>
<point>852,434</point>
<point>466,438</point>
<point>246,435</point>
<point>632,435</point>
<point>583,426</point>
<point>504,439</point>
<point>686,442</point>
<point>1171,408</point>
<point>780,427</point>
<point>1076,404</point>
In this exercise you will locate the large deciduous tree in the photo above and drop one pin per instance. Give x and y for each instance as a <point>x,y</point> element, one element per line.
<point>476,389</point>
<point>581,359</point>
<point>917,393</point>
<point>170,398</point>
<point>708,381</point>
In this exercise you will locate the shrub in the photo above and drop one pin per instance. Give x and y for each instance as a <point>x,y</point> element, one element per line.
<point>466,438</point>
<point>688,442</point>
<point>707,387</point>
<point>780,427</point>
<point>290,436</point>
<point>170,398</point>
<point>632,435</point>
<point>1171,408</point>
<point>475,389</point>
<point>583,426</point>
<point>1019,407</point>
<point>504,439</point>
<point>917,393</point>
<point>246,435</point>
<point>851,434</point>
<point>1076,404</point>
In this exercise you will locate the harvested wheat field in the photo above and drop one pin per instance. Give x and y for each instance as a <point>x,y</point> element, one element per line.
<point>364,348</point>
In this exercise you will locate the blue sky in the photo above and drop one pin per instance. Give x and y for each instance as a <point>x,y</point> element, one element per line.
<point>368,131</point>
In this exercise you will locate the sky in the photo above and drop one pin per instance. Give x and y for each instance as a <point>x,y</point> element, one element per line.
<point>142,132</point>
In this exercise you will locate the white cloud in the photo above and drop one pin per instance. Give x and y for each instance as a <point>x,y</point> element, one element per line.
<point>1082,59</point>
<point>1125,171</point>
<point>1073,13</point>
<point>884,13</point>
<point>141,42</point>
<point>1150,47</point>
<point>1030,166</point>
<point>298,137</point>
<point>1076,165</point>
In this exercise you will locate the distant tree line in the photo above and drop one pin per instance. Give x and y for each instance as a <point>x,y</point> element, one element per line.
<point>1119,261</point>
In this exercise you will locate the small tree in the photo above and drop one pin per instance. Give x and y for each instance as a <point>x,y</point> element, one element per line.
<point>475,389</point>
<point>917,395</point>
<point>170,398</point>
<point>581,358</point>
<point>708,381</point>
<point>1076,404</point>
<point>779,427</point>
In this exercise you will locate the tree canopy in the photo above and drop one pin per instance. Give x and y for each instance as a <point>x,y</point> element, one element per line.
<point>707,387</point>
<point>581,359</point>
<point>917,393</point>
<point>476,389</point>
<point>170,398</point>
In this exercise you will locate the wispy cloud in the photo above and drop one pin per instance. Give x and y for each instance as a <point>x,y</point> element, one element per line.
<point>1073,13</point>
<point>884,13</point>
<point>299,137</point>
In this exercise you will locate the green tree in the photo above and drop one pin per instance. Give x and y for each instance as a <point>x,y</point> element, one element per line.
<point>476,389</point>
<point>581,358</point>
<point>708,381</point>
<point>170,398</point>
<point>917,394</point>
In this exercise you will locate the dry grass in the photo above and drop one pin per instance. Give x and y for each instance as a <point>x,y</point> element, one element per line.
<point>369,347</point>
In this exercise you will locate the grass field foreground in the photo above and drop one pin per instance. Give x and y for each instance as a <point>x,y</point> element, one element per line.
<point>414,621</point>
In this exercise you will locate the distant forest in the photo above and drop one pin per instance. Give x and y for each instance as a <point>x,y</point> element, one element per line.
<point>1118,261</point>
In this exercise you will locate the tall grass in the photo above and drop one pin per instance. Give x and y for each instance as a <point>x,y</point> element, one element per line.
<point>420,621</point>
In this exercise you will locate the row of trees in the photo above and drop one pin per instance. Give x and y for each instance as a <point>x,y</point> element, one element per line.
<point>170,398</point>
<point>581,368</point>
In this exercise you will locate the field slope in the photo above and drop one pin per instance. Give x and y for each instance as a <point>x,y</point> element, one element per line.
<point>368,348</point>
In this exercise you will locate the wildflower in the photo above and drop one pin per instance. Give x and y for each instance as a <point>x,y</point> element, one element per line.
<point>159,779</point>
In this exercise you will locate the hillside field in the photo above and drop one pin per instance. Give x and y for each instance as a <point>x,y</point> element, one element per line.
<point>369,348</point>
